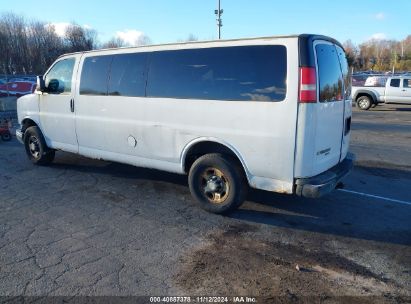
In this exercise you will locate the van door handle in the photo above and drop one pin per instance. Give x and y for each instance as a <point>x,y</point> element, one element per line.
<point>72,105</point>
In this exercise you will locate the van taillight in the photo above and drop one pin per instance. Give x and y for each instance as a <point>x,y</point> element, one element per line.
<point>308,85</point>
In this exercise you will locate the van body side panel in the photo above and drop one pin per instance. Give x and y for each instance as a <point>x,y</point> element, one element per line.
<point>153,132</point>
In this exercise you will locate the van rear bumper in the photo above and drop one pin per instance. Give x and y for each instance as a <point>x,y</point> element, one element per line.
<point>325,182</point>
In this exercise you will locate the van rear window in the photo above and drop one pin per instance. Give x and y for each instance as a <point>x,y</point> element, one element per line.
<point>329,71</point>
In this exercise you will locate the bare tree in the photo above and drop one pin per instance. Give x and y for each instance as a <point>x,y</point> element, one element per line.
<point>351,51</point>
<point>45,45</point>
<point>190,37</point>
<point>4,49</point>
<point>144,40</point>
<point>14,33</point>
<point>30,47</point>
<point>114,42</point>
<point>78,38</point>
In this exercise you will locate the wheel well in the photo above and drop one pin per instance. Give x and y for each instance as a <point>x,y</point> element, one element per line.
<point>207,147</point>
<point>26,123</point>
<point>365,94</point>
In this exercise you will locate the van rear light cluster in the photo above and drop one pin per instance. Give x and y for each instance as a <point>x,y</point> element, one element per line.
<point>308,85</point>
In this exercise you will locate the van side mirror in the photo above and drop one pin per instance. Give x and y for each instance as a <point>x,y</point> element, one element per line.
<point>41,85</point>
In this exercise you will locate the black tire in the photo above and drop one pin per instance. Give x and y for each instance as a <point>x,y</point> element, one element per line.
<point>36,148</point>
<point>218,183</point>
<point>364,102</point>
<point>374,105</point>
<point>6,136</point>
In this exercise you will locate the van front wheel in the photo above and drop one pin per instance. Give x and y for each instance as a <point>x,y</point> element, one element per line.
<point>36,148</point>
<point>218,183</point>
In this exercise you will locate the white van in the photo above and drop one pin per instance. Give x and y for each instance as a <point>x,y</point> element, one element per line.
<point>273,113</point>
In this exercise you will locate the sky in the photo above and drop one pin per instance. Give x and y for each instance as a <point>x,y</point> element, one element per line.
<point>166,21</point>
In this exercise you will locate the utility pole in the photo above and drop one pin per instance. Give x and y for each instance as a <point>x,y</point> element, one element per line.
<point>218,13</point>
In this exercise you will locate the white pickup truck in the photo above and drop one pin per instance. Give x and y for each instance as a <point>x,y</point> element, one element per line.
<point>382,89</point>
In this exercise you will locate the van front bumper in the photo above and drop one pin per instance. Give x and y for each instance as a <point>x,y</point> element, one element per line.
<point>19,135</point>
<point>325,182</point>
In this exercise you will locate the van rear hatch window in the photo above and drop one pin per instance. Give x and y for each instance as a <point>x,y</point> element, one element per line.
<point>329,72</point>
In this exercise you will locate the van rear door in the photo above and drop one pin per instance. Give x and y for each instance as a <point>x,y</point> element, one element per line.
<point>330,107</point>
<point>346,73</point>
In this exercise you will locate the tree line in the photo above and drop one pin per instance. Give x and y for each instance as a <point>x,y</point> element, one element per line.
<point>29,47</point>
<point>380,55</point>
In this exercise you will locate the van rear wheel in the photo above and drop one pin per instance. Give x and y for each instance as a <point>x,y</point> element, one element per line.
<point>218,183</point>
<point>36,148</point>
<point>364,102</point>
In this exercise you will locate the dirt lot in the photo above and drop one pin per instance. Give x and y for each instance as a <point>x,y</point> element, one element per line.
<point>85,227</point>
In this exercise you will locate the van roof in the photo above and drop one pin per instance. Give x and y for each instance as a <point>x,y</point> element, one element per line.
<point>305,38</point>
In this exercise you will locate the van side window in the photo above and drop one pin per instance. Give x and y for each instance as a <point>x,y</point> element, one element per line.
<point>244,73</point>
<point>127,75</point>
<point>329,72</point>
<point>58,79</point>
<point>406,83</point>
<point>94,75</point>
<point>395,83</point>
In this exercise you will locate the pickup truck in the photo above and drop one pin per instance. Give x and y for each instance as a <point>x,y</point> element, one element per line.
<point>382,89</point>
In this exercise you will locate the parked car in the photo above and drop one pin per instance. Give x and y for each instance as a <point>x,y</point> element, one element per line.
<point>5,134</point>
<point>382,89</point>
<point>270,113</point>
<point>17,88</point>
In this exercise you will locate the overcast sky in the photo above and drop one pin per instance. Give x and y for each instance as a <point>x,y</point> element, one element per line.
<point>170,20</point>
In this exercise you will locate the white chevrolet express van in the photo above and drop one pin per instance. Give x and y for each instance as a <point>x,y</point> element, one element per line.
<point>271,113</point>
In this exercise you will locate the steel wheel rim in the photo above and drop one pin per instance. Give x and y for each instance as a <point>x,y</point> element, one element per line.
<point>34,146</point>
<point>215,185</point>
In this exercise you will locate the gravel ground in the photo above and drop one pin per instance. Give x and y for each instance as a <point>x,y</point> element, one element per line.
<point>86,227</point>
